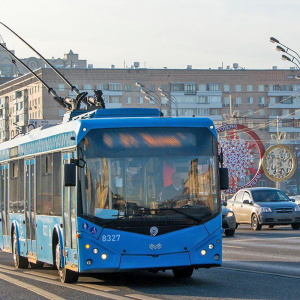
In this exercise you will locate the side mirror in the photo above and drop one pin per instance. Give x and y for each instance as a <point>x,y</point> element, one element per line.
<point>70,175</point>
<point>224,179</point>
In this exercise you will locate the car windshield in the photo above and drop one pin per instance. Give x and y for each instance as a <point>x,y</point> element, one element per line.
<point>269,196</point>
<point>149,173</point>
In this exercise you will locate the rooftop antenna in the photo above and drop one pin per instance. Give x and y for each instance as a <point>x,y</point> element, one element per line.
<point>80,97</point>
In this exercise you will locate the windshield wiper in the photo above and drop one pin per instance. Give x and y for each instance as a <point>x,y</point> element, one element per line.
<point>180,212</point>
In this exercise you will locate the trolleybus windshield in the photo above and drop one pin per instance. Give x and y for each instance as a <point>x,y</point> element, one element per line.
<point>161,174</point>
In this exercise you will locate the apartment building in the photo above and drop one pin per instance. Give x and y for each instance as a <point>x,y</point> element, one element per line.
<point>257,97</point>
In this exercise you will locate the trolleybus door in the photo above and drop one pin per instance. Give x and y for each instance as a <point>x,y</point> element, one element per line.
<point>30,207</point>
<point>4,208</point>
<point>69,219</point>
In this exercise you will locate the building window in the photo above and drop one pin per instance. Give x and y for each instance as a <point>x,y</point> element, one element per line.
<point>262,112</point>
<point>226,88</point>
<point>164,87</point>
<point>226,101</point>
<point>250,112</point>
<point>127,87</point>
<point>261,88</point>
<point>296,87</point>
<point>190,89</point>
<point>272,100</point>
<point>273,112</point>
<point>214,99</point>
<point>262,183</point>
<point>215,111</point>
<point>101,87</point>
<point>176,87</point>
<point>202,87</point>
<point>214,87</point>
<point>250,100</point>
<point>127,100</point>
<point>286,87</point>
<point>115,100</point>
<point>114,87</point>
<point>238,88</point>
<point>238,101</point>
<point>285,112</point>
<point>249,88</point>
<point>140,100</point>
<point>261,101</point>
<point>151,87</point>
<point>87,87</point>
<point>61,87</point>
<point>202,100</point>
<point>202,111</point>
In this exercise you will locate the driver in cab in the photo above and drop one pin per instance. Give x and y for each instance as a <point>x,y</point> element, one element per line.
<point>174,189</point>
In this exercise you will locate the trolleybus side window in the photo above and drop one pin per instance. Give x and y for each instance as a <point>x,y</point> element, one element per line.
<point>16,186</point>
<point>49,196</point>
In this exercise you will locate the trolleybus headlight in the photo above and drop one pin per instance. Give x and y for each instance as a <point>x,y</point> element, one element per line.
<point>104,256</point>
<point>211,246</point>
<point>87,246</point>
<point>203,252</point>
<point>95,250</point>
<point>89,262</point>
<point>217,257</point>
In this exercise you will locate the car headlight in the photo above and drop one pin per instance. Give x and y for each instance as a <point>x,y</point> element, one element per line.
<point>265,209</point>
<point>297,208</point>
<point>230,213</point>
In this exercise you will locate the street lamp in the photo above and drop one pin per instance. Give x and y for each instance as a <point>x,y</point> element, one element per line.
<point>150,95</point>
<point>170,98</point>
<point>282,48</point>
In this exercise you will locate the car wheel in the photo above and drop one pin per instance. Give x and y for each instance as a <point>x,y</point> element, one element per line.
<point>255,223</point>
<point>271,226</point>
<point>236,225</point>
<point>296,226</point>
<point>229,232</point>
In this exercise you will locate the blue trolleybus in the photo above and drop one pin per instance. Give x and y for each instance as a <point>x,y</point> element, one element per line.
<point>113,190</point>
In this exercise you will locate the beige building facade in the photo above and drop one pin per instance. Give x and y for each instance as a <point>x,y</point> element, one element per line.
<point>264,100</point>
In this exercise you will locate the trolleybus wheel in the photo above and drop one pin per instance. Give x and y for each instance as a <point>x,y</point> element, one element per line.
<point>183,272</point>
<point>65,275</point>
<point>37,265</point>
<point>20,262</point>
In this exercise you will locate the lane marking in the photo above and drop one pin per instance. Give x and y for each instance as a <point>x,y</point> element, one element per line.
<point>141,297</point>
<point>260,272</point>
<point>53,277</point>
<point>67,286</point>
<point>97,287</point>
<point>264,239</point>
<point>31,288</point>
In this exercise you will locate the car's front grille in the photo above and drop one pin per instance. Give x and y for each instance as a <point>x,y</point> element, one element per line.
<point>284,210</point>
<point>284,220</point>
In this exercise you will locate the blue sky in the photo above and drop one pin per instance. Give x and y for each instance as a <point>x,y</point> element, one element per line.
<point>157,33</point>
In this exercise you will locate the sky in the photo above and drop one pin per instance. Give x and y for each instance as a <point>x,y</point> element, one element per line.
<point>157,33</point>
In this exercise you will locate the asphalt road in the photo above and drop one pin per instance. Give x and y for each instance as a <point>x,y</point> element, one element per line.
<point>256,265</point>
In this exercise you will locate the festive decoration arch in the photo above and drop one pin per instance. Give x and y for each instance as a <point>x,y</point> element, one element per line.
<point>259,145</point>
